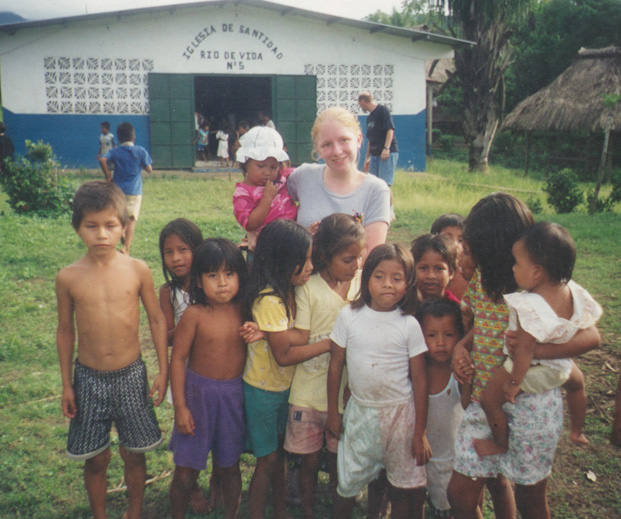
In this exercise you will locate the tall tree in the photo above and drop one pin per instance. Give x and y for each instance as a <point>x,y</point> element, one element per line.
<point>479,70</point>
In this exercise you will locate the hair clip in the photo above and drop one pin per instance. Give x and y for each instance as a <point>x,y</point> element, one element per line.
<point>359,217</point>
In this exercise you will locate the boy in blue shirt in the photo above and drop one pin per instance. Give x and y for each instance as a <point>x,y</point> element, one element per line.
<point>129,161</point>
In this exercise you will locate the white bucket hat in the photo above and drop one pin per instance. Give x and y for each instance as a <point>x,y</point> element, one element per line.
<point>259,143</point>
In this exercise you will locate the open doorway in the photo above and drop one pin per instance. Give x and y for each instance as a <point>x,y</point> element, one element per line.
<point>231,99</point>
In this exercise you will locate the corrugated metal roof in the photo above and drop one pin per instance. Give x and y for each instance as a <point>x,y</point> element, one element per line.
<point>371,27</point>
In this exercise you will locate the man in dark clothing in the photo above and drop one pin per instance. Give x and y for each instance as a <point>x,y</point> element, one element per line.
<point>382,150</point>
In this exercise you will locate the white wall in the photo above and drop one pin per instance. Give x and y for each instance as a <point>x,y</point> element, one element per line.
<point>109,59</point>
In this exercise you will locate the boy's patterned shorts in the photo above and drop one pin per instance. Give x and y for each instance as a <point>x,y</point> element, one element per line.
<point>106,397</point>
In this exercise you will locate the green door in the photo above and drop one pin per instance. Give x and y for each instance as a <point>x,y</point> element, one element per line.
<point>171,101</point>
<point>295,109</point>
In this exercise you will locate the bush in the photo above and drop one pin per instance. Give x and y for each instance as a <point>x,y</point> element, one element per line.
<point>33,185</point>
<point>534,204</point>
<point>607,204</point>
<point>563,191</point>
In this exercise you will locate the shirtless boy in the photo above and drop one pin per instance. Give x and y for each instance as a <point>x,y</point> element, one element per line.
<point>101,293</point>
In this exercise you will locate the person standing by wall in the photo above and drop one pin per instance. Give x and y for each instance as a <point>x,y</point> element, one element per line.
<point>382,150</point>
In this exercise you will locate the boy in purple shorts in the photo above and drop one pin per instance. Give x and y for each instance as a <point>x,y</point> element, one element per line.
<point>206,366</point>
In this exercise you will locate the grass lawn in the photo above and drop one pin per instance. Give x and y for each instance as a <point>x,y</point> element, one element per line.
<point>38,481</point>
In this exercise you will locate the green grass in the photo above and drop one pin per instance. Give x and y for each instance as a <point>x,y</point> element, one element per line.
<point>38,481</point>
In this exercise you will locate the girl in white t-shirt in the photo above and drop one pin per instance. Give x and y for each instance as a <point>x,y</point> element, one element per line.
<point>338,246</point>
<point>385,418</point>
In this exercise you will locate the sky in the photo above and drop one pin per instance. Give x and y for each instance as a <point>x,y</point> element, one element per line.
<point>44,9</point>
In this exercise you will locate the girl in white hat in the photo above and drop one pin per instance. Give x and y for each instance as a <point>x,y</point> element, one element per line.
<point>262,196</point>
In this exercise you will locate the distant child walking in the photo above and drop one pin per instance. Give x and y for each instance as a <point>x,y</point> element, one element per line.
<point>208,392</point>
<point>385,418</point>
<point>282,262</point>
<point>107,141</point>
<point>435,262</point>
<point>223,144</point>
<point>262,196</point>
<point>338,247</point>
<point>440,320</point>
<point>101,293</point>
<point>202,141</point>
<point>551,309</point>
<point>129,160</point>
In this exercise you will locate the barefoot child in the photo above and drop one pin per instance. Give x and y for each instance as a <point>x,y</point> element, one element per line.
<point>435,260</point>
<point>452,225</point>
<point>102,293</point>
<point>440,320</point>
<point>385,418</point>
<point>208,392</point>
<point>262,196</point>
<point>178,241</point>
<point>282,262</point>
<point>338,246</point>
<point>551,309</point>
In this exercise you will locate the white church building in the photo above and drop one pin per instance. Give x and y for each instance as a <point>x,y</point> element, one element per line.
<point>155,67</point>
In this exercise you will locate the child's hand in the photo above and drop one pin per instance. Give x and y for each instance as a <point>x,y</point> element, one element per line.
<point>334,425</point>
<point>250,332</point>
<point>312,229</point>
<point>67,403</point>
<point>184,421</point>
<point>511,391</point>
<point>159,385</point>
<point>421,451</point>
<point>462,365</point>
<point>270,190</point>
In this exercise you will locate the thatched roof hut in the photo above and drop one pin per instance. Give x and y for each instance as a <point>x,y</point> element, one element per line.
<point>575,100</point>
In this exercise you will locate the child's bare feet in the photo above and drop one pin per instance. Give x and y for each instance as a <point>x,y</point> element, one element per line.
<point>578,437</point>
<point>487,447</point>
<point>199,503</point>
<point>216,500</point>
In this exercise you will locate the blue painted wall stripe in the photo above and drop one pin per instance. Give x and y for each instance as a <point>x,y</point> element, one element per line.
<point>75,138</point>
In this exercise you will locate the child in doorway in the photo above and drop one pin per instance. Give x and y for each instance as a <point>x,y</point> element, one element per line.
<point>385,418</point>
<point>202,141</point>
<point>223,144</point>
<point>435,260</point>
<point>452,225</point>
<point>262,196</point>
<point>101,293</point>
<point>107,141</point>
<point>440,320</point>
<point>338,246</point>
<point>206,365</point>
<point>129,160</point>
<point>551,309</point>
<point>282,262</point>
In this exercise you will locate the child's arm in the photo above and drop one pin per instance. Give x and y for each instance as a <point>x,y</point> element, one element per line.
<point>334,420</point>
<point>522,358</point>
<point>461,364</point>
<point>184,338</point>
<point>168,311</point>
<point>421,450</point>
<point>288,354</point>
<point>584,340</point>
<point>615,433</point>
<point>259,213</point>
<point>103,163</point>
<point>157,326</point>
<point>65,344</point>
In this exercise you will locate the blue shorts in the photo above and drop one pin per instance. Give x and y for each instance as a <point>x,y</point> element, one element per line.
<point>384,169</point>
<point>106,397</point>
<point>217,407</point>
<point>266,419</point>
